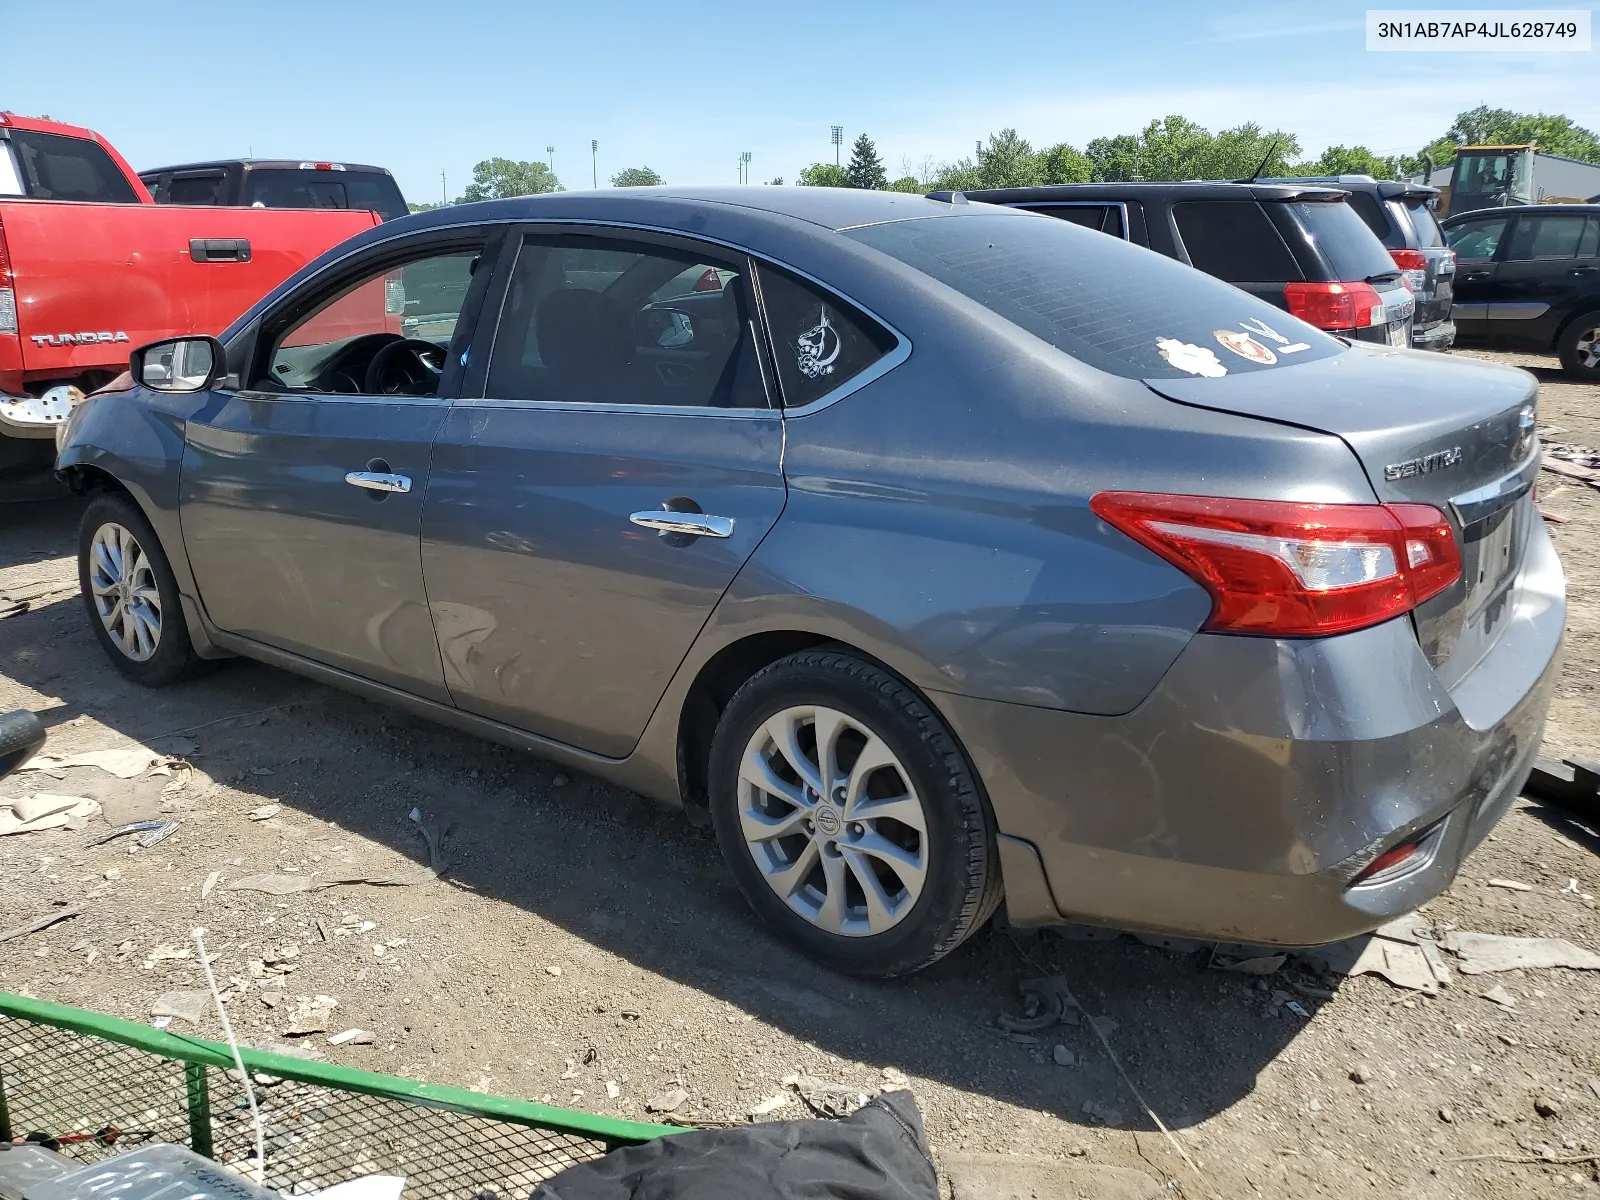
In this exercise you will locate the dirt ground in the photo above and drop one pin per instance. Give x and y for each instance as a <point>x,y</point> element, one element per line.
<point>577,917</point>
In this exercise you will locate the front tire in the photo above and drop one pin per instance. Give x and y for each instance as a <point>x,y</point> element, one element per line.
<point>1579,348</point>
<point>850,817</point>
<point>131,594</point>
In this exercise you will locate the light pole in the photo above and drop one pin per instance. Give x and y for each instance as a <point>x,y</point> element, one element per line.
<point>551,151</point>
<point>838,140</point>
<point>594,161</point>
<point>444,192</point>
<point>744,167</point>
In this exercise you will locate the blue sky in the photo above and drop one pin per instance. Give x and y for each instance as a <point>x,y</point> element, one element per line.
<point>684,86</point>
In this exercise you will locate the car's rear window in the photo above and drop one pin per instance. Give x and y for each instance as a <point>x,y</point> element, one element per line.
<point>1372,215</point>
<point>1346,246</point>
<point>51,166</point>
<point>288,187</point>
<point>1234,240</point>
<point>1115,306</point>
<point>1429,235</point>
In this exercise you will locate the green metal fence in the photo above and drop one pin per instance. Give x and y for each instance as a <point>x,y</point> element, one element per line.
<point>97,1084</point>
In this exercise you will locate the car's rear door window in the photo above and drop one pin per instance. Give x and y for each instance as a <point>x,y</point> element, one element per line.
<point>1234,240</point>
<point>55,167</point>
<point>821,342</point>
<point>289,187</point>
<point>610,321</point>
<point>1346,246</point>
<point>1429,235</point>
<point>198,188</point>
<point>1555,236</point>
<point>1106,218</point>
<point>1115,306</point>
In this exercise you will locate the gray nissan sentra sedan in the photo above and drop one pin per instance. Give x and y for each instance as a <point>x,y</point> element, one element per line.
<point>950,553</point>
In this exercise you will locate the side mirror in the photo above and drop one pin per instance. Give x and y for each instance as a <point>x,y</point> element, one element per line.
<point>189,364</point>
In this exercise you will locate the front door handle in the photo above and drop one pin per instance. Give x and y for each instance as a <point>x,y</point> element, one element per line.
<point>378,481</point>
<point>692,523</point>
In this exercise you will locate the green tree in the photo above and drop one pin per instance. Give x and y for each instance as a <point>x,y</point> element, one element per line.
<point>1061,163</point>
<point>866,168</point>
<point>824,175</point>
<point>1008,160</point>
<point>497,178</point>
<point>775,182</point>
<point>960,176</point>
<point>636,177</point>
<point>1350,160</point>
<point>1115,159</point>
<point>1485,126</point>
<point>907,183</point>
<point>416,208</point>
<point>1175,147</point>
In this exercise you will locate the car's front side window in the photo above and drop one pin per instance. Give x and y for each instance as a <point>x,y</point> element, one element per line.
<point>599,320</point>
<point>1476,241</point>
<point>343,343</point>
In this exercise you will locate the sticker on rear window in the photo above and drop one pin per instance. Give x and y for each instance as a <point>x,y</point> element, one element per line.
<point>1245,346</point>
<point>1186,356</point>
<point>1260,329</point>
<point>817,348</point>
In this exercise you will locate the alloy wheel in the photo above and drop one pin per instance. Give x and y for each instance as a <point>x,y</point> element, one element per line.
<point>833,821</point>
<point>1587,349</point>
<point>123,587</point>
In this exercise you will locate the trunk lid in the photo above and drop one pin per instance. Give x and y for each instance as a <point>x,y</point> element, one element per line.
<point>1428,429</point>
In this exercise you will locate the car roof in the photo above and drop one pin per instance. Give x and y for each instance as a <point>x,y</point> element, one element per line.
<point>830,208</point>
<point>1509,209</point>
<point>1389,189</point>
<point>292,164</point>
<point>1192,189</point>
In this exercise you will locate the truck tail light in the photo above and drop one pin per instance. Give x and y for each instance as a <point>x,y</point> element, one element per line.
<point>8,297</point>
<point>1289,569</point>
<point>1335,305</point>
<point>1409,260</point>
<point>316,166</point>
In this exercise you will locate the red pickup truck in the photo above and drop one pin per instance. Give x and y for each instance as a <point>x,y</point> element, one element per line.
<point>90,267</point>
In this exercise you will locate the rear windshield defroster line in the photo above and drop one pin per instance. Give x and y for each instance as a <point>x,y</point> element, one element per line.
<point>1117,307</point>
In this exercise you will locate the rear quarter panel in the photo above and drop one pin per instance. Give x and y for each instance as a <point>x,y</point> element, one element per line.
<point>125,269</point>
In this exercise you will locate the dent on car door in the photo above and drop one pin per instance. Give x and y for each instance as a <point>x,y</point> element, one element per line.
<point>301,494</point>
<point>586,513</point>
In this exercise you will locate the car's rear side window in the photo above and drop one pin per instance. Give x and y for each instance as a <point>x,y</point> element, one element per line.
<point>1107,218</point>
<point>55,167</point>
<point>1555,236</point>
<point>288,187</point>
<point>1118,307</point>
<point>1372,215</point>
<point>1343,242</point>
<point>1234,240</point>
<point>195,189</point>
<point>821,341</point>
<point>1429,235</point>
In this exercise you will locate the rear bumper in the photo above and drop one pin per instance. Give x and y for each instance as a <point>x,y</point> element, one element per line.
<point>1439,336</point>
<point>1240,800</point>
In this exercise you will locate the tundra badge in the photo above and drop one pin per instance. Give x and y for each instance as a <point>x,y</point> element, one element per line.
<point>1437,461</point>
<point>77,339</point>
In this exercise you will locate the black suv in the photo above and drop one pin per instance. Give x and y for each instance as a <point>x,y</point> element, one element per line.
<point>1529,279</point>
<point>1300,247</point>
<point>275,183</point>
<point>1401,214</point>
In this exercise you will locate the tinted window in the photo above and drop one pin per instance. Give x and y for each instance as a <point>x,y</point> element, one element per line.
<point>1234,240</point>
<point>152,185</point>
<point>1429,235</point>
<point>319,352</point>
<point>275,187</point>
<point>1553,237</point>
<point>1115,306</point>
<point>1342,239</point>
<point>600,321</point>
<point>1107,218</point>
<point>821,342</point>
<point>1476,240</point>
<point>54,167</point>
<point>1365,205</point>
<point>195,189</point>
<point>1589,243</point>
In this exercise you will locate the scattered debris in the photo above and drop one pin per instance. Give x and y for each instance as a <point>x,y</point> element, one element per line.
<point>1572,783</point>
<point>1063,1056</point>
<point>613,1089</point>
<point>769,1106</point>
<point>556,971</point>
<point>1099,1112</point>
<point>288,885</point>
<point>25,597</point>
<point>153,832</point>
<point>560,780</point>
<point>667,1101</point>
<point>128,762</point>
<point>1361,1073</point>
<point>265,813</point>
<point>188,1006</point>
<point>211,882</point>
<point>824,1098</point>
<point>1446,1115</point>
<point>1481,953</point>
<point>1043,1002</point>
<point>352,1037</point>
<point>895,1076</point>
<point>1511,885</point>
<point>1297,1009</point>
<point>309,1015</point>
<point>571,1071</point>
<point>44,922</point>
<point>1500,996</point>
<point>30,814</point>
<point>1546,1107</point>
<point>433,828</point>
<point>1401,960</point>
<point>1262,965</point>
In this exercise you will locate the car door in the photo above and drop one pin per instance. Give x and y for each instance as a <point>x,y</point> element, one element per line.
<point>301,494</point>
<point>1477,246</point>
<point>617,465</point>
<point>1548,264</point>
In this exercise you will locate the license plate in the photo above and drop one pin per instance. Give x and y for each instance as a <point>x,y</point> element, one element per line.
<point>1398,334</point>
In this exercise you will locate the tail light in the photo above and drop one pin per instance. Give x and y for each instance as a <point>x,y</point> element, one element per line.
<point>8,296</point>
<point>1413,266</point>
<point>316,166</point>
<point>1287,569</point>
<point>1335,305</point>
<point>709,281</point>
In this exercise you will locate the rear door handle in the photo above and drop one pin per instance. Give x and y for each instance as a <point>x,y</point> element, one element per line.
<point>694,524</point>
<point>1584,270</point>
<point>378,481</point>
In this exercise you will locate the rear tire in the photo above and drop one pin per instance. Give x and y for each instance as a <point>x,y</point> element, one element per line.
<point>876,853</point>
<point>130,593</point>
<point>1579,348</point>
